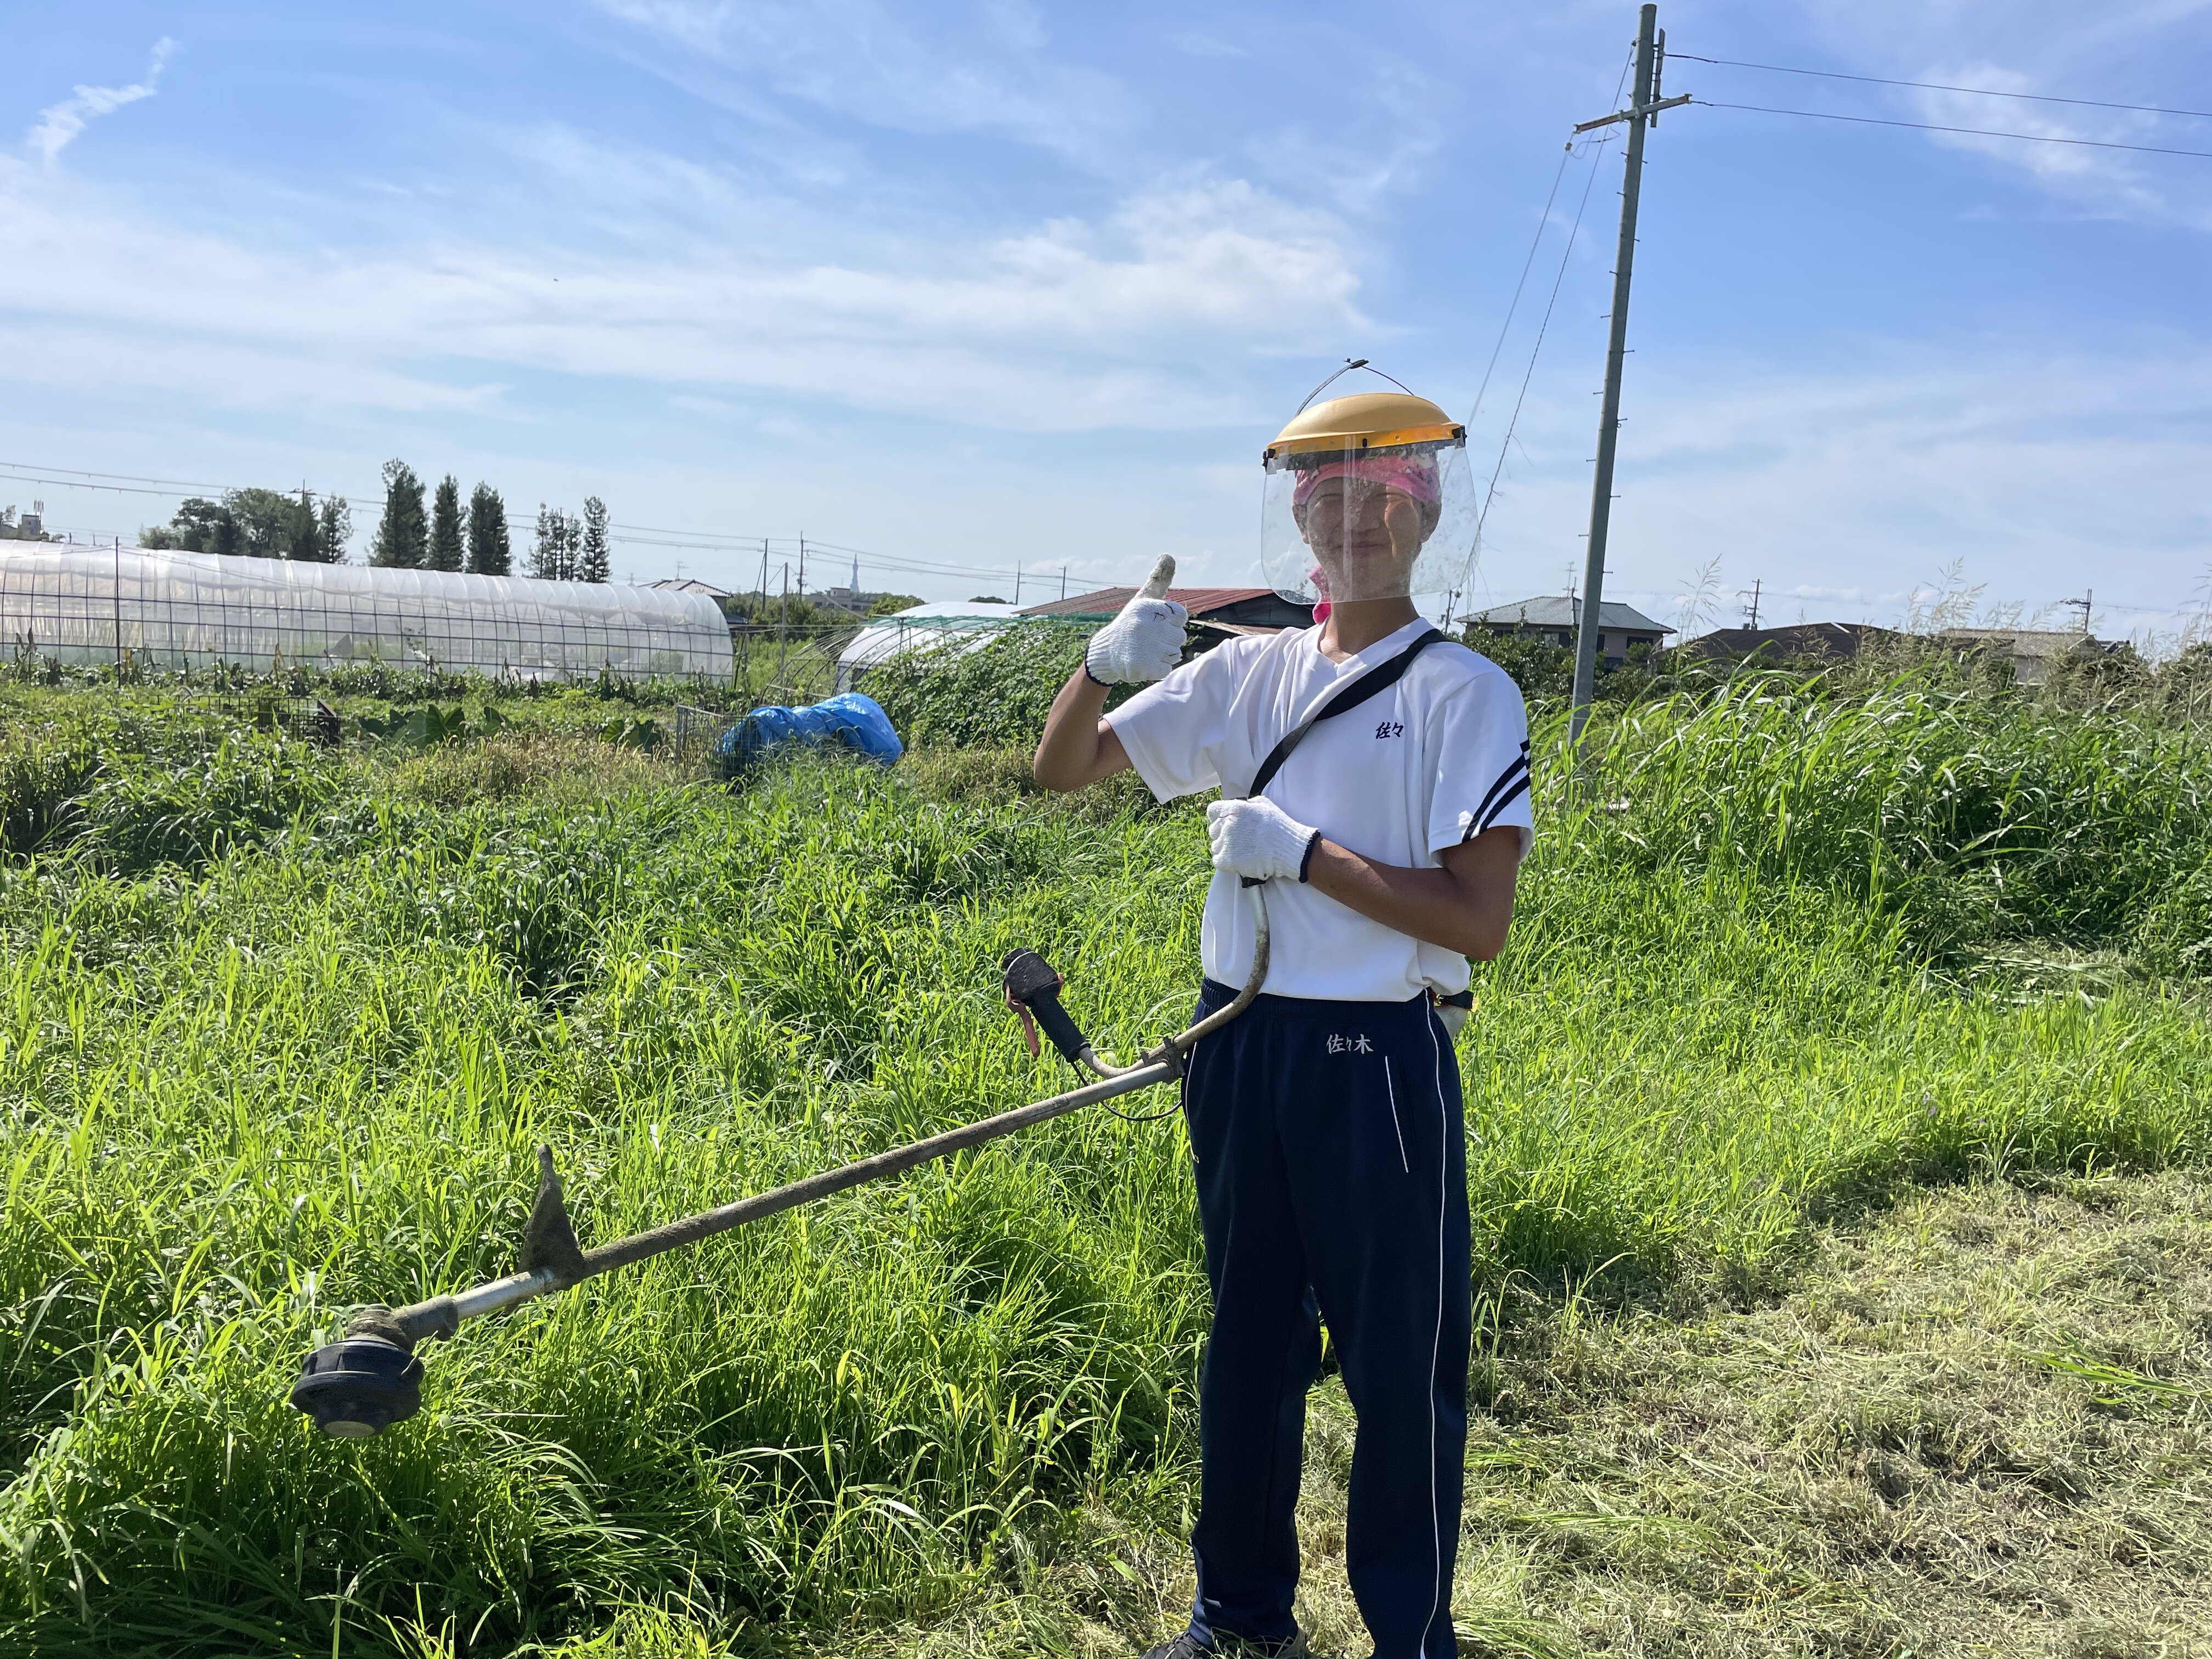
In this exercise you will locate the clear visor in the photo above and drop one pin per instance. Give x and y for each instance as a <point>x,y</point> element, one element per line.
<point>1368,523</point>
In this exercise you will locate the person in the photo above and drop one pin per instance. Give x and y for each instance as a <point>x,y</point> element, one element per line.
<point>1325,1121</point>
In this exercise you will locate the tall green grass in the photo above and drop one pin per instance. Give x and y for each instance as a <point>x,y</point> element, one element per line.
<point>297,1058</point>
<point>1973,821</point>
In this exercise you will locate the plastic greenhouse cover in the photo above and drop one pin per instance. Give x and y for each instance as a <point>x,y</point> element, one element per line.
<point>922,627</point>
<point>177,610</point>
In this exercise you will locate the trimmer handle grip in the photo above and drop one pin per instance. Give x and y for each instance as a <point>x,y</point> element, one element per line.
<point>1033,990</point>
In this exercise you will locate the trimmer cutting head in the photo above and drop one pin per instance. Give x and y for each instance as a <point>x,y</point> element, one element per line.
<point>369,1378</point>
<point>359,1386</point>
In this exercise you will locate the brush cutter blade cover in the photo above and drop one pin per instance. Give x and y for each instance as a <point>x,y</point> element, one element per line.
<point>359,1387</point>
<point>1367,497</point>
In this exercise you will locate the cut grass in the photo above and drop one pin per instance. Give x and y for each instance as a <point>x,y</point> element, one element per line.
<point>298,1061</point>
<point>1979,1425</point>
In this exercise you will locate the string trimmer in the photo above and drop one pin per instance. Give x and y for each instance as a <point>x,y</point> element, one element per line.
<point>370,1378</point>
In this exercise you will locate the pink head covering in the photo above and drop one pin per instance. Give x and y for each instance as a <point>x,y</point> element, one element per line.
<point>1413,475</point>
<point>1319,578</point>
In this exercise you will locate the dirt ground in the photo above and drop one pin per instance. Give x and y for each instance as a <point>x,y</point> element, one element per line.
<point>1979,1425</point>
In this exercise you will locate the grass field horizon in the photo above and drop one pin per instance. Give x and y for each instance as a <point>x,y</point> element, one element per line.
<point>282,1028</point>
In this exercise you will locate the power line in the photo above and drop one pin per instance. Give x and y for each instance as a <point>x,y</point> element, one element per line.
<point>1490,494</point>
<point>1937,86</point>
<point>1505,444</point>
<point>1978,133</point>
<point>1543,223</point>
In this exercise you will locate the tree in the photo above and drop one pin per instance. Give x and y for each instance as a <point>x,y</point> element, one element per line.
<point>593,563</point>
<point>403,534</point>
<point>265,521</point>
<point>258,524</point>
<point>545,545</point>
<point>333,530</point>
<point>445,550</point>
<point>195,528</point>
<point>302,531</point>
<point>490,555</point>
<point>890,605</point>
<point>985,598</point>
<point>557,546</point>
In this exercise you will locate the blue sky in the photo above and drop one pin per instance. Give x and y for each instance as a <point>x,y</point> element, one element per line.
<point>989,285</point>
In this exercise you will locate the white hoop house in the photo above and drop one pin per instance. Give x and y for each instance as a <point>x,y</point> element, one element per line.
<point>180,611</point>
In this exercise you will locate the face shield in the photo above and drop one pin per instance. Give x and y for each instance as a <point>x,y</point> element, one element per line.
<point>1368,497</point>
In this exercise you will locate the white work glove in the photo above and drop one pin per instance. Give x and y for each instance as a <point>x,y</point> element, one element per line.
<point>1256,838</point>
<point>1145,642</point>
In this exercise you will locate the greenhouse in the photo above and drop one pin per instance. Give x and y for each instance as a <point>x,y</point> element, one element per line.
<point>168,610</point>
<point>922,627</point>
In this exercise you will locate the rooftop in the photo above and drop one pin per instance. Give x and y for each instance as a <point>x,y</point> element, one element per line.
<point>1561,610</point>
<point>690,584</point>
<point>2026,641</point>
<point>1827,639</point>
<point>1105,601</point>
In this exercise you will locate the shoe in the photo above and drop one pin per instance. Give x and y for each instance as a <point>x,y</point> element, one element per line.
<point>1186,1646</point>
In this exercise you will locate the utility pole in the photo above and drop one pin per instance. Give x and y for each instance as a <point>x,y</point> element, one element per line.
<point>1018,584</point>
<point>2082,604</point>
<point>1063,581</point>
<point>1645,104</point>
<point>782,625</point>
<point>1751,608</point>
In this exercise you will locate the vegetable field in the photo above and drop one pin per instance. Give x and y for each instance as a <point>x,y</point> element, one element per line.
<point>281,1028</point>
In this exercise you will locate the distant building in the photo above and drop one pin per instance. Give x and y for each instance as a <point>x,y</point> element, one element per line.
<point>1823,641</point>
<point>2033,651</point>
<point>1555,617</point>
<point>690,584</point>
<point>1223,610</point>
<point>30,527</point>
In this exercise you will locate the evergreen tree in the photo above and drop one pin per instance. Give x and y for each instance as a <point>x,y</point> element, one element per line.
<point>593,563</point>
<point>489,554</point>
<point>333,529</point>
<point>445,548</point>
<point>302,531</point>
<point>403,534</point>
<point>545,545</point>
<point>557,546</point>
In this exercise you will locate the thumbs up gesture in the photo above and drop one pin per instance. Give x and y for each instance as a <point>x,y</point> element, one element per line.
<point>1145,641</point>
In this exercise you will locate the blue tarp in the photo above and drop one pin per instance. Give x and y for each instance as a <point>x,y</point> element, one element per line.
<point>848,719</point>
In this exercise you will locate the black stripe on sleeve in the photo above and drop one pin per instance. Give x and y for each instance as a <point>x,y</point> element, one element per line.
<point>1519,769</point>
<point>1506,800</point>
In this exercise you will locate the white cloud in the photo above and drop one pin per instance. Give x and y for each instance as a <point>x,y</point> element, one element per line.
<point>985,66</point>
<point>1068,324</point>
<point>2046,473</point>
<point>57,123</point>
<point>2053,47</point>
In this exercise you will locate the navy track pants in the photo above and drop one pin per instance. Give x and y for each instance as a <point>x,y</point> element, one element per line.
<point>1332,1184</point>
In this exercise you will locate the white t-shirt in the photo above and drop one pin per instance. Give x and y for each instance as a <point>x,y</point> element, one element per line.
<point>1433,760</point>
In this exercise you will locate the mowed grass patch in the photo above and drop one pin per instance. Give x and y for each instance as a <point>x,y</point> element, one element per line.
<point>306,1069</point>
<point>1979,1425</point>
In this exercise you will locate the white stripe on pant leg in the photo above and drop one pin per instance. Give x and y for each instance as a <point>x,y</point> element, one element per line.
<point>1437,1342</point>
<point>1390,1091</point>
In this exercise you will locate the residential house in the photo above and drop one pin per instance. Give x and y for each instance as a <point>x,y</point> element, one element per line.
<point>1554,619</point>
